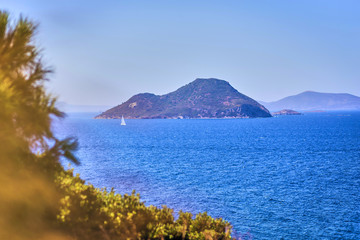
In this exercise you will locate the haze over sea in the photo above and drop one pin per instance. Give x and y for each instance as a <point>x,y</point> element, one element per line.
<point>287,177</point>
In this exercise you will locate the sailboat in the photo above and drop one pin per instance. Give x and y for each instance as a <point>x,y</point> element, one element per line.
<point>123,123</point>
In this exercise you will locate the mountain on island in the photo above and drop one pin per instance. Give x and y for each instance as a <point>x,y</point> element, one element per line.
<point>312,101</point>
<point>202,98</point>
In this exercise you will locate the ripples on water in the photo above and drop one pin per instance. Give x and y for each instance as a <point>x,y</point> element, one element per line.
<point>290,177</point>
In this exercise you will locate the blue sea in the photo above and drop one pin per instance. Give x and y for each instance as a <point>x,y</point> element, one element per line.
<point>287,177</point>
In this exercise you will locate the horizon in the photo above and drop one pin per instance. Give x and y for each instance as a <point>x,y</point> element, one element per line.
<point>258,100</point>
<point>105,53</point>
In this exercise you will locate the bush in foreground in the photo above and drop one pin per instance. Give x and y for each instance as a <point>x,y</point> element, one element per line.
<point>91,213</point>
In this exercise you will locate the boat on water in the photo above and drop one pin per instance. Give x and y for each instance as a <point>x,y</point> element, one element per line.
<point>123,123</point>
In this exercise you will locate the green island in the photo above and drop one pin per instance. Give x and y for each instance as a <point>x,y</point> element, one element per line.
<point>39,199</point>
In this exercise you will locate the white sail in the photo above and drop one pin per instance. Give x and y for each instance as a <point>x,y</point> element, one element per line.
<point>123,121</point>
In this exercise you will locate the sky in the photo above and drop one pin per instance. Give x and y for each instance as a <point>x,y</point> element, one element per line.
<point>104,52</point>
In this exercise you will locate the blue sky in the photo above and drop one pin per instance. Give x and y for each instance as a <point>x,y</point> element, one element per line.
<point>103,52</point>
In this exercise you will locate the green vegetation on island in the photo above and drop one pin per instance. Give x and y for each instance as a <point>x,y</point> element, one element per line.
<point>41,200</point>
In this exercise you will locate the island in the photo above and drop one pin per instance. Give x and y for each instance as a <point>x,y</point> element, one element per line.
<point>202,98</point>
<point>286,112</point>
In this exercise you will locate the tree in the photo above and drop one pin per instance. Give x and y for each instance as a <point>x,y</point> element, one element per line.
<point>26,108</point>
<point>29,151</point>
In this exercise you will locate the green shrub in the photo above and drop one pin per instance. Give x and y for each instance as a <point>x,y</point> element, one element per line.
<point>91,213</point>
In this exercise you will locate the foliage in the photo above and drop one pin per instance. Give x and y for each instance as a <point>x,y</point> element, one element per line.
<point>39,199</point>
<point>26,108</point>
<point>92,213</point>
<point>29,152</point>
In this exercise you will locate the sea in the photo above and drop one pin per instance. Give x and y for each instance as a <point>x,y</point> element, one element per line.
<point>286,177</point>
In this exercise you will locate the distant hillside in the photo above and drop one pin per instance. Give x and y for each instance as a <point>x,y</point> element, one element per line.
<point>310,101</point>
<point>202,98</point>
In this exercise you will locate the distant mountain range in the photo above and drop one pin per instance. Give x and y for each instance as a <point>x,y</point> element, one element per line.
<point>312,101</point>
<point>202,98</point>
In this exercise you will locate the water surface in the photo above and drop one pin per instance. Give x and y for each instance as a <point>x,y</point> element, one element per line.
<point>289,177</point>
